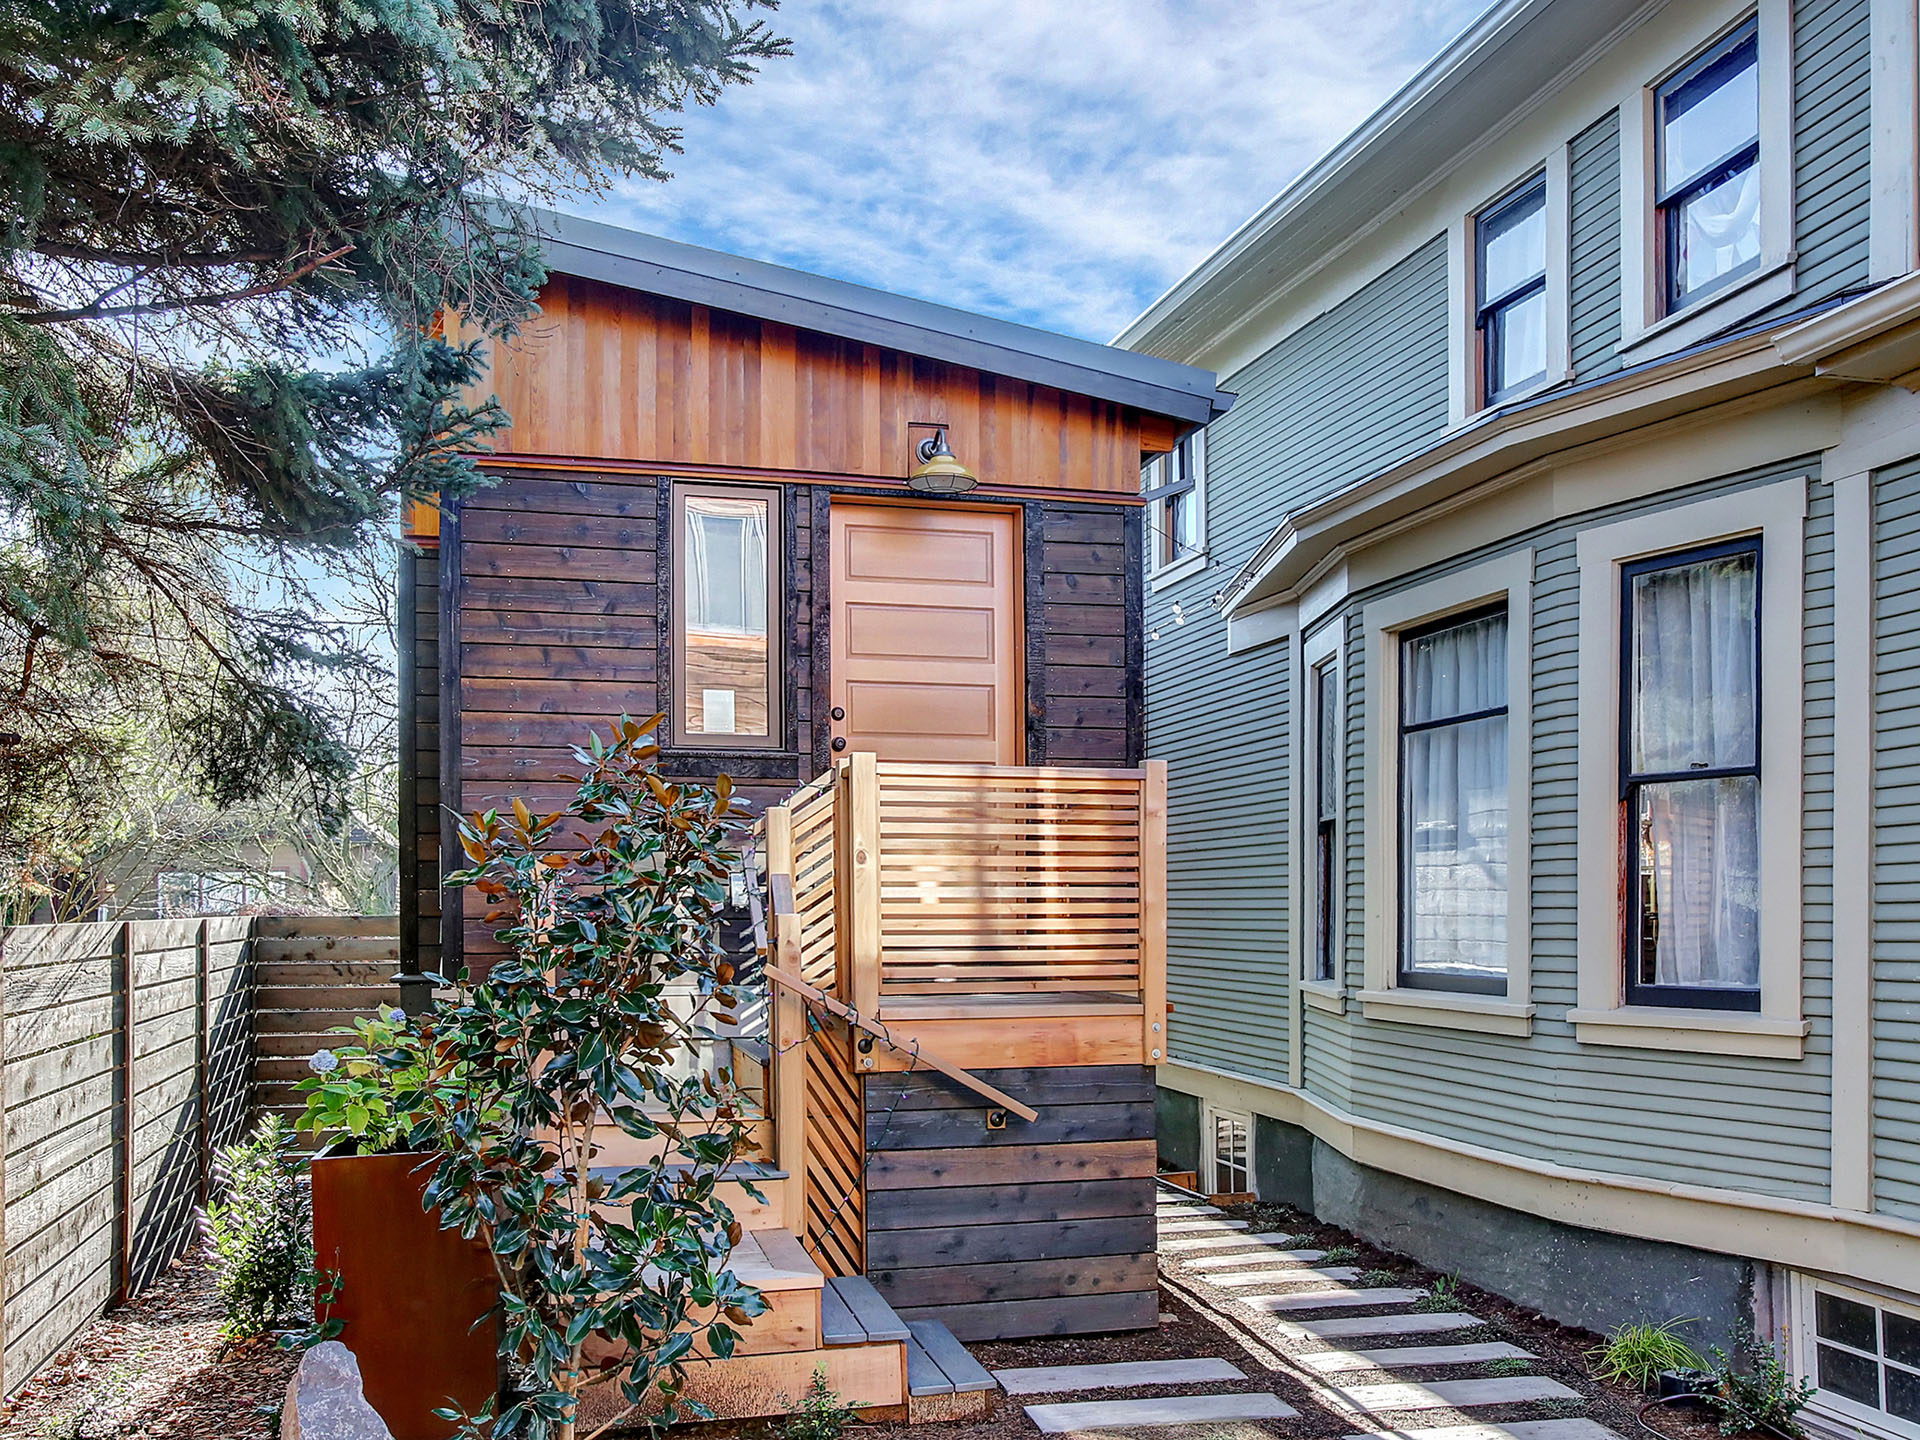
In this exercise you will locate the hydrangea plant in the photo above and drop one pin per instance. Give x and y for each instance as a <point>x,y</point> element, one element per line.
<point>610,911</point>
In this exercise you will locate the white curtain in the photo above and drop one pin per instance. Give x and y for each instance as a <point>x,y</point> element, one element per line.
<point>1695,705</point>
<point>1721,230</point>
<point>1454,779</point>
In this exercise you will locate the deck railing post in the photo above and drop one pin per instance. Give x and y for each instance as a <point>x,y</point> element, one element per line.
<point>1153,908</point>
<point>863,889</point>
<point>788,1082</point>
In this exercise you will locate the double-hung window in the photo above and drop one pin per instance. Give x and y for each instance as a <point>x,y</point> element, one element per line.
<point>1325,682</point>
<point>1690,777</point>
<point>1707,187</point>
<point>726,609</point>
<point>1172,485</point>
<point>1453,804</point>
<point>1510,311</point>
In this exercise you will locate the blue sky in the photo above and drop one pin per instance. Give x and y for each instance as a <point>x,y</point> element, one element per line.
<point>1058,162</point>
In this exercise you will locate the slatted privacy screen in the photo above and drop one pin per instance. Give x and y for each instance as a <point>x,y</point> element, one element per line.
<point>1000,880</point>
<point>816,818</point>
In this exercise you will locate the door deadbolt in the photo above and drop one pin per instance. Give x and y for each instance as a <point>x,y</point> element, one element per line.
<point>839,742</point>
<point>837,713</point>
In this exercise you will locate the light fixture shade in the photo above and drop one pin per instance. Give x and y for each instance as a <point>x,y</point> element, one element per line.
<point>939,472</point>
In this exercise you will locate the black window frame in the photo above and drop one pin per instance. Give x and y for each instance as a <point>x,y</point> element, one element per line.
<point>1326,820</point>
<point>1406,977</point>
<point>1489,308</point>
<point>1633,938</point>
<point>1181,468</point>
<point>1670,199</point>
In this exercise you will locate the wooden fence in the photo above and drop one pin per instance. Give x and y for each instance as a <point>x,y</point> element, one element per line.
<point>127,1060</point>
<point>126,1056</point>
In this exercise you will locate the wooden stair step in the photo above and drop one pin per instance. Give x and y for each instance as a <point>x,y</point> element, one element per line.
<point>866,1309</point>
<point>960,1372</point>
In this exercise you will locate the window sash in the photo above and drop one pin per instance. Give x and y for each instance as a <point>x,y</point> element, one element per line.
<point>1672,193</point>
<point>1326,770</point>
<point>1637,785</point>
<point>1409,974</point>
<point>762,616</point>
<point>1491,308</point>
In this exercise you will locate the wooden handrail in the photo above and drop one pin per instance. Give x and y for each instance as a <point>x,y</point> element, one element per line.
<point>910,1047</point>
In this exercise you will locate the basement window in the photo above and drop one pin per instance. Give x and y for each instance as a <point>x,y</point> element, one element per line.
<point>1863,1352</point>
<point>1232,1154</point>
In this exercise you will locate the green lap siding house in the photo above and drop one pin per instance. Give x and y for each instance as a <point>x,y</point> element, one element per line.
<point>1536,649</point>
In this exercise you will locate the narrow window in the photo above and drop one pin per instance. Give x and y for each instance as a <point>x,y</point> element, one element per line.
<point>1708,180</point>
<point>728,594</point>
<point>1867,1358</point>
<point>1453,804</point>
<point>1232,1160</point>
<point>1690,777</point>
<point>1326,810</point>
<point>1171,484</point>
<point>1510,247</point>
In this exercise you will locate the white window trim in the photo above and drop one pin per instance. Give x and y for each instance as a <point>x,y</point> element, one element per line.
<point>1892,244</point>
<point>1210,1150</point>
<point>1507,578</point>
<point>1322,645</point>
<point>1463,374</point>
<point>1850,1416</point>
<point>1644,332</point>
<point>1158,575</point>
<point>1777,514</point>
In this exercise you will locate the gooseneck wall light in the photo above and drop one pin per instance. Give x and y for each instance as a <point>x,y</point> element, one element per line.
<point>939,471</point>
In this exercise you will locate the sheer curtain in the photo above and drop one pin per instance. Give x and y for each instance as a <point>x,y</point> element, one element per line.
<point>1722,229</point>
<point>1454,784</point>
<point>1695,706</point>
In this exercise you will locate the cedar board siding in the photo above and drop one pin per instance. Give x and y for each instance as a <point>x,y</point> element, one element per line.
<point>563,618</point>
<point>1896,840</point>
<point>1040,1228</point>
<point>1593,322</point>
<point>1301,428</point>
<point>418,611</point>
<point>607,373</point>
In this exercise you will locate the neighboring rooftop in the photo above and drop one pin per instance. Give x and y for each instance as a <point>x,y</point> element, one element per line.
<point>656,266</point>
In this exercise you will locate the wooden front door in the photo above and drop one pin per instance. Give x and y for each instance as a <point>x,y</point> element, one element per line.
<point>926,633</point>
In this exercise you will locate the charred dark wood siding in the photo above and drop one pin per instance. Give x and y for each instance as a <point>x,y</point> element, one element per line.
<point>417,618</point>
<point>556,616</point>
<point>1044,1228</point>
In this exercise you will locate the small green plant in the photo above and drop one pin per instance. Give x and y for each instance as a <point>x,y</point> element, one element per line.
<point>377,1094</point>
<point>1442,1297</point>
<point>821,1415</point>
<point>1636,1354</point>
<point>1340,1255</point>
<point>1759,1394</point>
<point>1370,1279</point>
<point>258,1232</point>
<point>1506,1365</point>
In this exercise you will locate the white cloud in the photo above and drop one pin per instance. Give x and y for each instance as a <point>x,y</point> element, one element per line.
<point>1052,162</point>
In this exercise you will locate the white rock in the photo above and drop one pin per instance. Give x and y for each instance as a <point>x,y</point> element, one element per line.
<point>325,1400</point>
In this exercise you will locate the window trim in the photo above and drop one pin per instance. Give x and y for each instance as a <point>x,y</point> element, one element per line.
<point>681,738</point>
<point>1486,308</point>
<point>1648,326</point>
<point>1677,997</point>
<point>1467,399</point>
<point>1506,579</point>
<point>1322,647</point>
<point>1165,571</point>
<point>1776,513</point>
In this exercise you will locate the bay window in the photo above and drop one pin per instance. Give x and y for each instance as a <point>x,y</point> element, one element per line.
<point>1707,188</point>
<point>1453,804</point>
<point>1690,777</point>
<point>1510,311</point>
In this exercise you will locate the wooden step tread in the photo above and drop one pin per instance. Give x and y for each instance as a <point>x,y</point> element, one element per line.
<point>861,1313</point>
<point>959,1373</point>
<point>774,1260</point>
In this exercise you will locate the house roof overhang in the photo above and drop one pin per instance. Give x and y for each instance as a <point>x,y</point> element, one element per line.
<point>656,266</point>
<point>1513,57</point>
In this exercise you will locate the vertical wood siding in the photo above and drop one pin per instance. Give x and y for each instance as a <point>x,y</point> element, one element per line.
<point>1896,839</point>
<point>1594,239</point>
<point>419,642</point>
<point>1302,427</point>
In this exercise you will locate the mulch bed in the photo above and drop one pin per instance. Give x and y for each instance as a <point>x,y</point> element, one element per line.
<point>155,1369</point>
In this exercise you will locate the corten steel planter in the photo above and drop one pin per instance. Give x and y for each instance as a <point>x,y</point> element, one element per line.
<point>409,1292</point>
